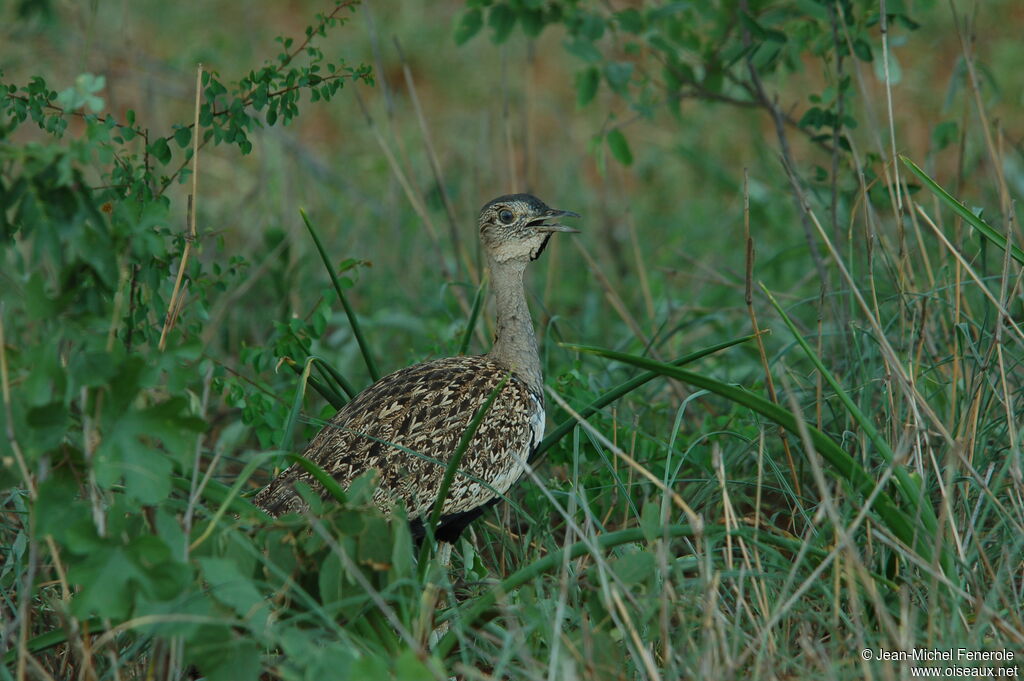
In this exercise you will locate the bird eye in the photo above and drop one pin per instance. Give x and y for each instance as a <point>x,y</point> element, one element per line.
<point>505,215</point>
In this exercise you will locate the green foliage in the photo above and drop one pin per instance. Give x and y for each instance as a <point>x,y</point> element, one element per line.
<point>620,147</point>
<point>656,56</point>
<point>101,382</point>
<point>680,532</point>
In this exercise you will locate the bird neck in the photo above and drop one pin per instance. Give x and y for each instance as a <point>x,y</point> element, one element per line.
<point>515,344</point>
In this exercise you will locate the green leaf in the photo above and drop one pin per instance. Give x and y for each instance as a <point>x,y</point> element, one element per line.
<point>630,20</point>
<point>620,147</point>
<point>590,26</point>
<point>862,49</point>
<point>330,579</point>
<point>91,369</point>
<point>131,450</point>
<point>224,656</point>
<point>318,658</point>
<point>532,21</point>
<point>895,70</point>
<point>61,514</point>
<point>409,667</point>
<point>105,578</point>
<point>372,667</point>
<point>229,586</point>
<point>944,134</point>
<point>49,423</point>
<point>650,520</point>
<point>618,75</point>
<point>587,82</point>
<point>585,50</point>
<point>374,545</point>
<point>470,24</point>
<point>635,567</point>
<point>502,20</point>
<point>160,150</point>
<point>183,136</point>
<point>145,471</point>
<point>111,577</point>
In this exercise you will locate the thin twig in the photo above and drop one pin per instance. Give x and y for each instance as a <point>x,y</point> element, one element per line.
<point>884,28</point>
<point>191,218</point>
<point>787,156</point>
<point>749,299</point>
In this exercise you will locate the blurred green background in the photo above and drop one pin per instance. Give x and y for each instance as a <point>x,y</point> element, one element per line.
<point>504,118</point>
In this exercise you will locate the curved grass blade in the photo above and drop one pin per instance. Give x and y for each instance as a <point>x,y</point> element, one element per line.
<point>474,315</point>
<point>334,395</point>
<point>332,486</point>
<point>293,415</point>
<point>469,613</point>
<point>343,383</point>
<point>217,492</point>
<point>621,389</point>
<point>230,497</point>
<point>960,209</point>
<point>353,321</point>
<point>323,388</point>
<point>895,519</point>
<point>472,611</point>
<point>94,625</point>
<point>909,490</point>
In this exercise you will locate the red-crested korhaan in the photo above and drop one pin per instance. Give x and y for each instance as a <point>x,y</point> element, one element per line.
<point>407,425</point>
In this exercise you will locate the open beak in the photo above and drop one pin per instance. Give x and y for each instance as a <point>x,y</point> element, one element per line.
<point>550,221</point>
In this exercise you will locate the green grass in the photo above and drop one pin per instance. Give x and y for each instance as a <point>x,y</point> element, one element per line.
<point>755,467</point>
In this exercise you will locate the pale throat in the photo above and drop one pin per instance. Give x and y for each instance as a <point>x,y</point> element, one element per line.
<point>515,344</point>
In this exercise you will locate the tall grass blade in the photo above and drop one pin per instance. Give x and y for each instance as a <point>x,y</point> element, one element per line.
<point>353,321</point>
<point>349,390</point>
<point>324,387</point>
<point>293,415</point>
<point>960,209</point>
<point>474,315</point>
<point>909,489</point>
<point>335,392</point>
<point>94,625</point>
<point>216,492</point>
<point>230,497</point>
<point>323,477</point>
<point>896,520</point>
<point>624,388</point>
<point>472,611</point>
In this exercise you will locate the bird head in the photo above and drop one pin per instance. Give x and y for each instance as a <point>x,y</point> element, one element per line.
<point>519,226</point>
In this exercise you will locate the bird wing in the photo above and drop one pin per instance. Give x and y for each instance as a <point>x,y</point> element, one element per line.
<point>407,425</point>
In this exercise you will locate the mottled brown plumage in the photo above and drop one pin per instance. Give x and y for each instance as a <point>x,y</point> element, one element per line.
<point>406,425</point>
